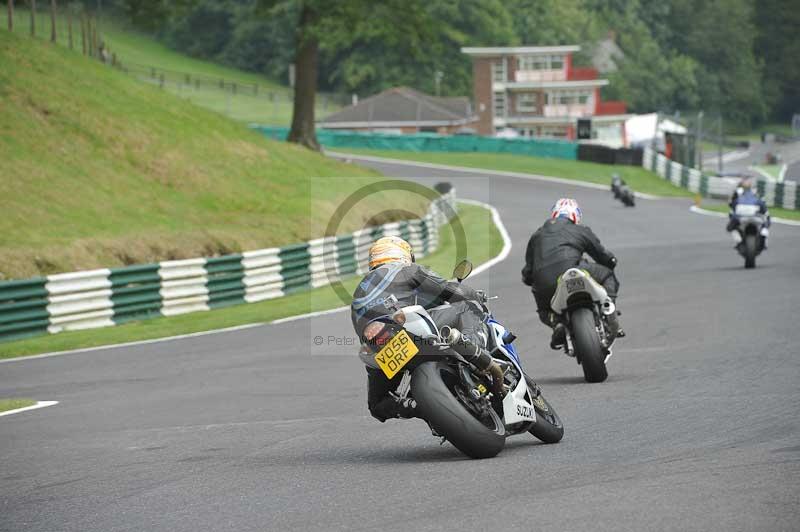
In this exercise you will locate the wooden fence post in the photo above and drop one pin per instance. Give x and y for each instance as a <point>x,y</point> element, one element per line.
<point>93,35</point>
<point>69,26</point>
<point>53,35</point>
<point>33,18</point>
<point>83,32</point>
<point>10,15</point>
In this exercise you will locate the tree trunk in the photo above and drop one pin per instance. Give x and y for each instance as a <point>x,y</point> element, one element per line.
<point>83,32</point>
<point>33,18</point>
<point>10,15</point>
<point>53,36</point>
<point>305,85</point>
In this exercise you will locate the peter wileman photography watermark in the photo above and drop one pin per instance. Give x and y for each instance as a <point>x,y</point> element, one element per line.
<point>340,259</point>
<point>408,225</point>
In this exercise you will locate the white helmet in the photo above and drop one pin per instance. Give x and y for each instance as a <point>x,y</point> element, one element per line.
<point>567,208</point>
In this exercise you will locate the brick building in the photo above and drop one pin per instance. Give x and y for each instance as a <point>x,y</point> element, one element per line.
<point>536,91</point>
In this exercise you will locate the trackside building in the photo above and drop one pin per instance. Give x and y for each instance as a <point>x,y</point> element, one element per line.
<point>536,91</point>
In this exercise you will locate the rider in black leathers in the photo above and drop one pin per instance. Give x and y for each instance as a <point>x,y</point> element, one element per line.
<point>393,272</point>
<point>558,246</point>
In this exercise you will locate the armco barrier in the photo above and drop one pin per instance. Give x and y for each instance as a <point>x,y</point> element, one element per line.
<point>560,149</point>
<point>785,195</point>
<point>107,297</point>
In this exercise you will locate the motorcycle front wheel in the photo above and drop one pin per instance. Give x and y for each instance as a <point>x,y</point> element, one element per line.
<point>548,427</point>
<point>750,249</point>
<point>437,390</point>
<point>588,348</point>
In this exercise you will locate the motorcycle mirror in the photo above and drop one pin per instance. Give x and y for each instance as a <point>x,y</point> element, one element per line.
<point>462,270</point>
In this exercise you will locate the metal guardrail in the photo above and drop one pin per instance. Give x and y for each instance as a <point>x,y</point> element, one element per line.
<point>785,195</point>
<point>108,297</point>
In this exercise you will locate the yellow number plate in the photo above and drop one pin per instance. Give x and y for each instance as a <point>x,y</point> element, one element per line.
<point>396,354</point>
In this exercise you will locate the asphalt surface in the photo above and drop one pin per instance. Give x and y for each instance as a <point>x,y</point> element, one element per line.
<point>696,429</point>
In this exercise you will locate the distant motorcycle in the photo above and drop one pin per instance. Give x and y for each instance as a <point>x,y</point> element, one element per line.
<point>452,396</point>
<point>751,223</point>
<point>621,191</point>
<point>616,183</point>
<point>584,306</point>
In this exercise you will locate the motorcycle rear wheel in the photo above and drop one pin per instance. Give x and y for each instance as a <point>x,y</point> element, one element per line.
<point>433,388</point>
<point>588,348</point>
<point>548,427</point>
<point>750,247</point>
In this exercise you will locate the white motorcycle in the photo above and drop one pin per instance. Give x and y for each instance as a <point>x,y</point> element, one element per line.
<point>584,307</point>
<point>751,231</point>
<point>452,395</point>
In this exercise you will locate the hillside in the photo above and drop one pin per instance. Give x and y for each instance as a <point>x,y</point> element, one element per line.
<point>101,170</point>
<point>256,98</point>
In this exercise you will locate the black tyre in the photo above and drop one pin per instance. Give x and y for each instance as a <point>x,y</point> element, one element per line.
<point>750,250</point>
<point>548,426</point>
<point>435,387</point>
<point>588,348</point>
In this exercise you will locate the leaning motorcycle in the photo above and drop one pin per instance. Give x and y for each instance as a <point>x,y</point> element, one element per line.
<point>751,225</point>
<point>584,307</point>
<point>454,397</point>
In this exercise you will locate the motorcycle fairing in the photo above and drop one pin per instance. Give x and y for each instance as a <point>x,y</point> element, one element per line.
<point>595,290</point>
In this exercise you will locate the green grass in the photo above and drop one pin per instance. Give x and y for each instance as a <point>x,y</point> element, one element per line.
<point>13,404</point>
<point>484,242</point>
<point>775,212</point>
<point>139,53</point>
<point>637,178</point>
<point>772,169</point>
<point>100,170</point>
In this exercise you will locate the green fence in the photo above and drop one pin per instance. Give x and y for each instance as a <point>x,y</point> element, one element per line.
<point>421,142</point>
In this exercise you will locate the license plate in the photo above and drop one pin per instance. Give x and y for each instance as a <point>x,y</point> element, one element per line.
<point>396,354</point>
<point>573,285</point>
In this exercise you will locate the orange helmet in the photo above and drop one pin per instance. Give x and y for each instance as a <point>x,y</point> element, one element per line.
<point>390,249</point>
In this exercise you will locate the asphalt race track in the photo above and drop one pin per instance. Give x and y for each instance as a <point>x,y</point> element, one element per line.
<point>697,427</point>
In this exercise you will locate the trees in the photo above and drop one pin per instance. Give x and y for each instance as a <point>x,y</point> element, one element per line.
<point>680,54</point>
<point>328,27</point>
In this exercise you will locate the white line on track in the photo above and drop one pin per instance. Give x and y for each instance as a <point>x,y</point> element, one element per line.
<point>39,404</point>
<point>697,210</point>
<point>482,267</point>
<point>468,169</point>
<point>128,344</point>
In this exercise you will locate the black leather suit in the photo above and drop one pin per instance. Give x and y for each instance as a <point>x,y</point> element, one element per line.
<point>558,246</point>
<point>412,285</point>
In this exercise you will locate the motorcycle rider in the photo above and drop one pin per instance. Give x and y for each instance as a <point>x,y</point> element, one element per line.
<point>393,271</point>
<point>557,246</point>
<point>744,195</point>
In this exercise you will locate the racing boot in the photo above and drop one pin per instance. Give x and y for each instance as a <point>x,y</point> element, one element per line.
<point>383,404</point>
<point>614,328</point>
<point>559,337</point>
<point>477,355</point>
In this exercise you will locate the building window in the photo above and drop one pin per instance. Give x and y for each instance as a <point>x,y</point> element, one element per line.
<point>541,62</point>
<point>499,71</point>
<point>500,104</point>
<point>527,102</point>
<point>566,97</point>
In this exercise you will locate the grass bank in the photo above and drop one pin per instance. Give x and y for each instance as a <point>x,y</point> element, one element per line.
<point>13,404</point>
<point>638,178</point>
<point>483,242</point>
<point>99,170</point>
<point>209,85</point>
